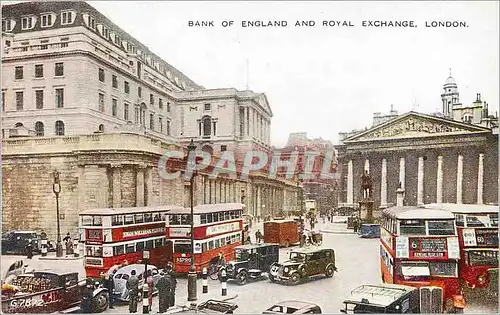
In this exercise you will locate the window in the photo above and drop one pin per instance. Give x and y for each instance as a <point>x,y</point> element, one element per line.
<point>39,128</point>
<point>39,99</point>
<point>114,81</point>
<point>59,69</point>
<point>114,107</point>
<point>59,128</point>
<point>136,115</point>
<point>59,98</point>
<point>47,20</point>
<point>182,248</point>
<point>214,127</point>
<point>101,102</point>
<point>19,100</point>
<point>459,219</point>
<point>19,73</point>
<point>412,227</point>
<point>223,148</point>
<point>66,18</point>
<point>160,103</point>
<point>125,111</point>
<point>487,257</point>
<point>160,123</point>
<point>445,269</point>
<point>7,25</point>
<point>139,91</point>
<point>443,227</point>
<point>38,71</point>
<point>119,250</point>
<point>207,106</point>
<point>100,128</point>
<point>28,22</point>
<point>168,107</point>
<point>168,127</point>
<point>152,121</point>
<point>3,101</point>
<point>117,220</point>
<point>126,87</point>
<point>101,75</point>
<point>151,99</point>
<point>207,126</point>
<point>477,220</point>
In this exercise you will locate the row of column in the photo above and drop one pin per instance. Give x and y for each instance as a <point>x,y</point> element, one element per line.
<point>256,125</point>
<point>267,200</point>
<point>420,179</point>
<point>220,191</point>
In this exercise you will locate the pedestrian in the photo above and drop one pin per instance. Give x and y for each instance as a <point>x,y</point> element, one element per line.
<point>258,236</point>
<point>149,281</point>
<point>88,298</point>
<point>133,289</point>
<point>110,284</point>
<point>356,224</point>
<point>29,249</point>
<point>69,247</point>
<point>67,237</point>
<point>164,287</point>
<point>172,278</point>
<point>248,241</point>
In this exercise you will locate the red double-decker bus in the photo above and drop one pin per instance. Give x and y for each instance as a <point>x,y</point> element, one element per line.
<point>419,247</point>
<point>477,227</point>
<point>217,229</point>
<point>112,236</point>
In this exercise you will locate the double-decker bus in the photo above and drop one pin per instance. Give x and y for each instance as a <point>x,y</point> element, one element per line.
<point>217,229</point>
<point>113,236</point>
<point>477,227</point>
<point>419,247</point>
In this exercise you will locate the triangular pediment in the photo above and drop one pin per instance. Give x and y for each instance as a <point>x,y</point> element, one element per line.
<point>261,99</point>
<point>416,125</point>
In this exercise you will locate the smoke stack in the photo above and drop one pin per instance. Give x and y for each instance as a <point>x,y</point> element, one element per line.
<point>478,97</point>
<point>400,192</point>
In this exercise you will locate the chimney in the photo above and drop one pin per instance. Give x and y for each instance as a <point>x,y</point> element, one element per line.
<point>400,192</point>
<point>478,97</point>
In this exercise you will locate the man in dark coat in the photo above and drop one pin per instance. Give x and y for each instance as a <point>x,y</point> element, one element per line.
<point>29,249</point>
<point>170,274</point>
<point>133,289</point>
<point>164,287</point>
<point>87,304</point>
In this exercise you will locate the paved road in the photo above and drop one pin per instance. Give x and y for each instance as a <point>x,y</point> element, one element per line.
<point>357,262</point>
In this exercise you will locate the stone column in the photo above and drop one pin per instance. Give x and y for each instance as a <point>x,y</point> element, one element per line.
<point>149,186</point>
<point>117,191</point>
<point>247,122</point>
<point>350,183</point>
<point>258,197</point>
<point>140,186</point>
<point>402,175</point>
<point>439,180</point>
<point>367,165</point>
<point>480,179</point>
<point>460,166</point>
<point>420,181</point>
<point>383,185</point>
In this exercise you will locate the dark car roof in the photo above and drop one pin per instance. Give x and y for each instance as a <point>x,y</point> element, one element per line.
<point>252,246</point>
<point>310,250</point>
<point>381,294</point>
<point>296,304</point>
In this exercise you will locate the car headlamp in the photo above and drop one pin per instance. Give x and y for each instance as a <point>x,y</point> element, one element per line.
<point>286,270</point>
<point>481,279</point>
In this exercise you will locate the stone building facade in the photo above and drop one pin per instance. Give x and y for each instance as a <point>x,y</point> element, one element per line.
<point>82,96</point>
<point>435,158</point>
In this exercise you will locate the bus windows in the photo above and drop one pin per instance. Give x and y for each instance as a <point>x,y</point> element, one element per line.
<point>211,245</point>
<point>217,243</point>
<point>139,218</point>
<point>129,248</point>
<point>204,247</point>
<point>182,248</point>
<point>148,217</point>
<point>149,244</point>
<point>118,250</point>
<point>414,269</point>
<point>445,269</point>
<point>412,227</point>
<point>185,219</point>
<point>443,227</point>
<point>158,242</point>
<point>477,220</point>
<point>203,218</point>
<point>139,246</point>
<point>228,240</point>
<point>92,220</point>
<point>93,251</point>
<point>174,219</point>
<point>129,219</point>
<point>117,220</point>
<point>459,219</point>
<point>157,217</point>
<point>483,257</point>
<point>494,219</point>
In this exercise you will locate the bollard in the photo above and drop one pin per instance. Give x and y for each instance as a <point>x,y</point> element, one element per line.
<point>205,280</point>
<point>224,282</point>
<point>44,248</point>
<point>145,300</point>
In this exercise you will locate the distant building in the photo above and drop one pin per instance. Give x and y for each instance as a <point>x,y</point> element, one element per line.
<point>451,156</point>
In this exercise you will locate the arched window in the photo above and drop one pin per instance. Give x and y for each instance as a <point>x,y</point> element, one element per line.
<point>101,128</point>
<point>207,126</point>
<point>59,128</point>
<point>143,114</point>
<point>39,128</point>
<point>18,125</point>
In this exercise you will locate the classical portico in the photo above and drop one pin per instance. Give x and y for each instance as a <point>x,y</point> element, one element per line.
<point>435,160</point>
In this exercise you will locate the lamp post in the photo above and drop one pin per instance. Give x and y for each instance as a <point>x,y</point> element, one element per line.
<point>192,271</point>
<point>56,188</point>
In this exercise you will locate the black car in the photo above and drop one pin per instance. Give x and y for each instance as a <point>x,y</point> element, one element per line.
<point>251,262</point>
<point>15,242</point>
<point>209,307</point>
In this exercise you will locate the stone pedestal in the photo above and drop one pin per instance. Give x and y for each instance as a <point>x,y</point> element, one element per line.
<point>366,210</point>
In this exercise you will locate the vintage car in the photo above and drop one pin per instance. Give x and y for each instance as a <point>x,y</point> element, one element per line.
<point>304,263</point>
<point>393,298</point>
<point>251,262</point>
<point>123,274</point>
<point>207,307</point>
<point>49,292</point>
<point>369,231</point>
<point>293,307</point>
<point>15,242</point>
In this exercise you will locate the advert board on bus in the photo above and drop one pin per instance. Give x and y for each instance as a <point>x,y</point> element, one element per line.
<point>94,235</point>
<point>142,232</point>
<point>402,248</point>
<point>179,232</point>
<point>223,228</point>
<point>197,248</point>
<point>487,237</point>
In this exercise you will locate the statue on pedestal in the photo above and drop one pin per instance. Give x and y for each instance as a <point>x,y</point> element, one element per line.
<point>366,185</point>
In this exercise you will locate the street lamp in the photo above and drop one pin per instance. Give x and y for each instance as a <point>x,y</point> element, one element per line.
<point>192,271</point>
<point>145,256</point>
<point>56,187</point>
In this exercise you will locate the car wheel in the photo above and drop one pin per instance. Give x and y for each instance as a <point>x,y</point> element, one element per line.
<point>101,302</point>
<point>295,278</point>
<point>242,277</point>
<point>329,271</point>
<point>271,277</point>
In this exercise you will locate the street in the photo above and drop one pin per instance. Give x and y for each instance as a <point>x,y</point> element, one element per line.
<point>357,261</point>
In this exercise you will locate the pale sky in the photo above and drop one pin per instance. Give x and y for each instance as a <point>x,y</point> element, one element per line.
<point>324,80</point>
